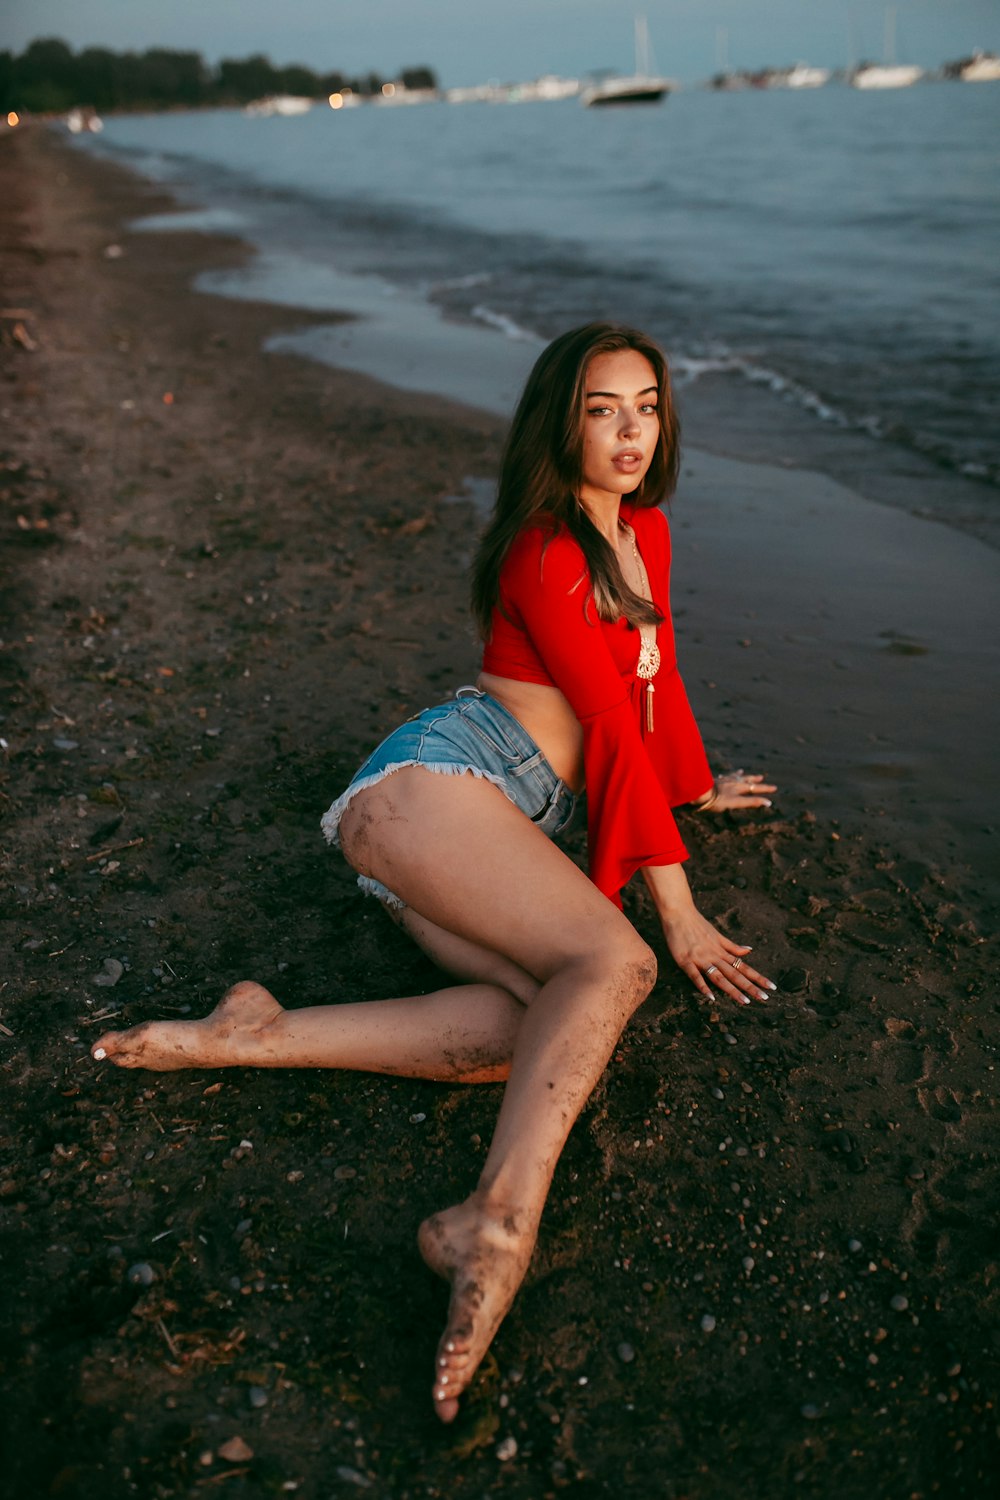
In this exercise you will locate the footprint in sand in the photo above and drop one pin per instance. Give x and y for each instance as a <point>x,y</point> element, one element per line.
<point>941,1103</point>
<point>902,1053</point>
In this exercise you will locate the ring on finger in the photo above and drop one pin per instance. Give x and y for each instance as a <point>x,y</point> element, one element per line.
<point>712,969</point>
<point>737,963</point>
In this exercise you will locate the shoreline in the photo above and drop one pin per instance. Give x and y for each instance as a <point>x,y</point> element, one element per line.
<point>760,1234</point>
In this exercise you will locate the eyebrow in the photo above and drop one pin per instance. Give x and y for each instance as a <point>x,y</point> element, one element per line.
<point>616,395</point>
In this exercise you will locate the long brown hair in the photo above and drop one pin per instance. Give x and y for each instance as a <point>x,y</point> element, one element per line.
<point>542,470</point>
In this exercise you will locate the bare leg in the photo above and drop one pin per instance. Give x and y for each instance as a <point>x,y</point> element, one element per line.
<point>461,1035</point>
<point>482,879</point>
<point>457,852</point>
<point>465,959</point>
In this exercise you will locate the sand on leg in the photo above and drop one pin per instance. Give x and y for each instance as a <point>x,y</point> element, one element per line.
<point>461,856</point>
<point>462,1034</point>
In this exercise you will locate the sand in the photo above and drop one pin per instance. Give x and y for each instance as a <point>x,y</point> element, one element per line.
<point>768,1265</point>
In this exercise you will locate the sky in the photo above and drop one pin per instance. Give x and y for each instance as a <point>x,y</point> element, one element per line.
<point>470,41</point>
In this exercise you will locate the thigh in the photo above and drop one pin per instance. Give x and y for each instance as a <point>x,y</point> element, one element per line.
<point>460,854</point>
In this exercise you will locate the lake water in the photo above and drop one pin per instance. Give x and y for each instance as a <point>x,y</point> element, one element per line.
<point>838,249</point>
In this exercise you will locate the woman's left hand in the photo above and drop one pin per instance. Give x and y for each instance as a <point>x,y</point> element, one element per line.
<point>709,958</point>
<point>738,789</point>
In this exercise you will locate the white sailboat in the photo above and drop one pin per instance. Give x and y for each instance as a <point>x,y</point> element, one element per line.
<point>804,77</point>
<point>640,87</point>
<point>890,74</point>
<point>983,67</point>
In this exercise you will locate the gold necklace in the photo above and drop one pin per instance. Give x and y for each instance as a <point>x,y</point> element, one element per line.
<point>649,652</point>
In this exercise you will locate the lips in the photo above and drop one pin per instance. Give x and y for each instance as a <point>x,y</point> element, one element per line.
<point>627,460</point>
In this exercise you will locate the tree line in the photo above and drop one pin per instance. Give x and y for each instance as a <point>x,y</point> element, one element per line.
<point>48,78</point>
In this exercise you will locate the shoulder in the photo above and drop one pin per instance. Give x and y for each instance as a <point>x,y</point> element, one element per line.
<point>544,552</point>
<point>650,521</point>
<point>652,531</point>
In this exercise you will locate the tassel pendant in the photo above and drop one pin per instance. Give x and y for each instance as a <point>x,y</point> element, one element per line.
<point>649,707</point>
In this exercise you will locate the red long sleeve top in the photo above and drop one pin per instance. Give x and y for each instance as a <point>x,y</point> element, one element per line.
<point>546,629</point>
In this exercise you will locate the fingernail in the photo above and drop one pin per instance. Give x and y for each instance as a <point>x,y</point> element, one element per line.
<point>450,1347</point>
<point>444,1380</point>
<point>99,1053</point>
<point>442,1360</point>
<point>771,986</point>
<point>743,999</point>
<point>761,995</point>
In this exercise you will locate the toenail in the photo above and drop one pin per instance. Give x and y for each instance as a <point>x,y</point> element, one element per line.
<point>100,1053</point>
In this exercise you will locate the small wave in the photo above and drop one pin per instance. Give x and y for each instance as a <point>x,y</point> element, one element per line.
<point>504,325</point>
<point>687,369</point>
<point>460,283</point>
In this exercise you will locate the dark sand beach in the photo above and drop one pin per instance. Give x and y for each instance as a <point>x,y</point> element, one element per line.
<point>769,1264</point>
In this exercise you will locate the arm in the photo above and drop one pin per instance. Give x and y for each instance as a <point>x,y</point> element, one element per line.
<point>698,948</point>
<point>547,592</point>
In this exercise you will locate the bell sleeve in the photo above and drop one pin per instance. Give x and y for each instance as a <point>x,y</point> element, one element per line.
<point>546,588</point>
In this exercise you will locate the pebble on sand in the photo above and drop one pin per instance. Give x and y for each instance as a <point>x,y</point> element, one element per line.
<point>507,1449</point>
<point>235,1451</point>
<point>110,974</point>
<point>708,1324</point>
<point>141,1274</point>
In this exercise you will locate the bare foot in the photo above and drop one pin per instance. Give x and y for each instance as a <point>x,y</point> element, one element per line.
<point>484,1255</point>
<point>229,1036</point>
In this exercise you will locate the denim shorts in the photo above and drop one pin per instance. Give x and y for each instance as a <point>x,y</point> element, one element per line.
<point>472,733</point>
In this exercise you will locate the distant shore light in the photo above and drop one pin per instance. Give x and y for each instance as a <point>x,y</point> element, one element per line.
<point>13,119</point>
<point>336,101</point>
<point>388,89</point>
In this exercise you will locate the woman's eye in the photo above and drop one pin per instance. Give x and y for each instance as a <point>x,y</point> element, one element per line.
<point>597,411</point>
<point>649,407</point>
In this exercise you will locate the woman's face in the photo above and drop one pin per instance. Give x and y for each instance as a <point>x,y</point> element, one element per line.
<point>621,425</point>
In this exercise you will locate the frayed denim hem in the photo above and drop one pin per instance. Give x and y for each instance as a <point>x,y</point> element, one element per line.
<point>330,821</point>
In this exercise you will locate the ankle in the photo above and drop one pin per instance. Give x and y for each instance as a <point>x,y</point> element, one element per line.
<point>509,1214</point>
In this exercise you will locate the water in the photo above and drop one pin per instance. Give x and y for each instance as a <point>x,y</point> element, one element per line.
<point>838,248</point>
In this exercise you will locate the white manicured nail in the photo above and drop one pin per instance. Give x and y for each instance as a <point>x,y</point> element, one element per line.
<point>100,1053</point>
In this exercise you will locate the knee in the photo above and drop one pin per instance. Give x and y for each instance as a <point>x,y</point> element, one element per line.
<point>638,976</point>
<point>629,972</point>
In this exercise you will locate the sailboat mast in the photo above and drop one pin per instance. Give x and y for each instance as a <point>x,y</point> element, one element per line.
<point>890,35</point>
<point>642,66</point>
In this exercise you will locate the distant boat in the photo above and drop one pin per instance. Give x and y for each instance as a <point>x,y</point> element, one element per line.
<point>803,77</point>
<point>886,76</point>
<point>890,74</point>
<point>984,67</point>
<point>640,87</point>
<point>280,104</point>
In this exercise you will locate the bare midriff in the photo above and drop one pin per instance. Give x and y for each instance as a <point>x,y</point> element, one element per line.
<point>546,715</point>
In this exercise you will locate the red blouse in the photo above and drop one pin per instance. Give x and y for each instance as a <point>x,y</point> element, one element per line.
<point>547,630</point>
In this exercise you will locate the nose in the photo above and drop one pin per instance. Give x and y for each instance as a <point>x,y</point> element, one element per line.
<point>628,423</point>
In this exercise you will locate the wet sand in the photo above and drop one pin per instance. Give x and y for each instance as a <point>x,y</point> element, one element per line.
<point>768,1265</point>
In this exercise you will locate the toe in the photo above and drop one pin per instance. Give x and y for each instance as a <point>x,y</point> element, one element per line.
<point>445,1406</point>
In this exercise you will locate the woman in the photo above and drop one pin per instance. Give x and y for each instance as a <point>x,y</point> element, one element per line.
<point>450,820</point>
